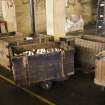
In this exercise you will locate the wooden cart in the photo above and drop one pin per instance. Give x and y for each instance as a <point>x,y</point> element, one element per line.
<point>44,68</point>
<point>9,40</point>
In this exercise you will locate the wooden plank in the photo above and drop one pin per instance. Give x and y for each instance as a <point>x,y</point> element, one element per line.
<point>37,46</point>
<point>100,72</point>
<point>94,38</point>
<point>4,55</point>
<point>55,17</point>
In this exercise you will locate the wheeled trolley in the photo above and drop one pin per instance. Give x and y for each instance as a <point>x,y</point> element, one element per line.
<point>42,63</point>
<point>10,40</point>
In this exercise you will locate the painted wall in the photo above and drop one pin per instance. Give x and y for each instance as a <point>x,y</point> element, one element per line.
<point>81,7</point>
<point>24,19</point>
<point>1,14</point>
<point>8,14</point>
<point>40,15</point>
<point>55,17</point>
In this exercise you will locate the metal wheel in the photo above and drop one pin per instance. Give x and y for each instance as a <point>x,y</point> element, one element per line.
<point>46,85</point>
<point>102,88</point>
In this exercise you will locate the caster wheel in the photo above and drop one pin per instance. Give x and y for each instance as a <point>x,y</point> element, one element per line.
<point>102,88</point>
<point>46,85</point>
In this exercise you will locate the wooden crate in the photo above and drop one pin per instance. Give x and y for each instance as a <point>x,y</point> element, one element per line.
<point>100,69</point>
<point>37,68</point>
<point>7,41</point>
<point>86,50</point>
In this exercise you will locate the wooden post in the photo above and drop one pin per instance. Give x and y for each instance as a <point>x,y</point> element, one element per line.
<point>32,10</point>
<point>55,17</point>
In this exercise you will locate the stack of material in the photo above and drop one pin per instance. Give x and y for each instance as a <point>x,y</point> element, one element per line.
<point>74,24</point>
<point>87,48</point>
<point>80,7</point>
<point>56,65</point>
<point>100,69</point>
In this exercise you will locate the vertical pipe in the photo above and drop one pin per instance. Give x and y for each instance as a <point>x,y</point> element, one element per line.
<point>104,20</point>
<point>32,13</point>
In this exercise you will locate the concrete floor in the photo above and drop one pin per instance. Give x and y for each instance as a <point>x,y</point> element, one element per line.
<point>78,90</point>
<point>10,95</point>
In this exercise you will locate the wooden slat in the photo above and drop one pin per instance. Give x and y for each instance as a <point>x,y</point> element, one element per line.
<point>4,55</point>
<point>94,38</point>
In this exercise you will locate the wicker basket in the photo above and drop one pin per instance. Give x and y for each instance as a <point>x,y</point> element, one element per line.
<point>86,50</point>
<point>100,69</point>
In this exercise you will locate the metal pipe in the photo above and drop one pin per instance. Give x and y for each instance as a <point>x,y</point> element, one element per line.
<point>32,13</point>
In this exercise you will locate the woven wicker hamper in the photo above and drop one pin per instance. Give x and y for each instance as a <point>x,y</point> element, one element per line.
<point>86,50</point>
<point>100,69</point>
